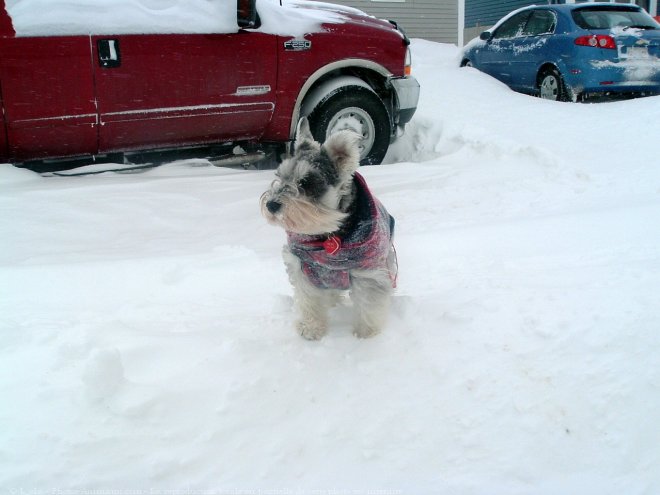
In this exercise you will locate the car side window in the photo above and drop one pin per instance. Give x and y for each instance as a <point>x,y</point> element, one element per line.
<point>513,27</point>
<point>540,22</point>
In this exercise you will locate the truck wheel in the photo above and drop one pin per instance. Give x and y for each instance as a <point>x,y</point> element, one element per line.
<point>359,109</point>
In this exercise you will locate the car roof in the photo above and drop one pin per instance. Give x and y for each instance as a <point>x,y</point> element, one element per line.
<point>589,5</point>
<point>564,8</point>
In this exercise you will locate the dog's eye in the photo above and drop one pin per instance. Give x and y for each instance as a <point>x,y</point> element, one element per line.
<point>304,183</point>
<point>310,184</point>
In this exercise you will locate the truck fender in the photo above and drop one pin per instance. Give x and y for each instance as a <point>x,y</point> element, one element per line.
<point>318,94</point>
<point>303,96</point>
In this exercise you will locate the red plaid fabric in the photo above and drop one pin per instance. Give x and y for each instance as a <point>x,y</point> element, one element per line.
<point>328,260</point>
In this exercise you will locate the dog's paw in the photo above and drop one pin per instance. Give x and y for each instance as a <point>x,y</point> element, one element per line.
<point>311,329</point>
<point>365,331</point>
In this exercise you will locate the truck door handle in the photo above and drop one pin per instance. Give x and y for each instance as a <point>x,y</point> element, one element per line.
<point>109,55</point>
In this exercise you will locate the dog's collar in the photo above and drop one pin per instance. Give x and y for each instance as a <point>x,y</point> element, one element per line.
<point>331,245</point>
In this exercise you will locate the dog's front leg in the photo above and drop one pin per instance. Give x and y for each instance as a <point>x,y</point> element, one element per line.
<point>370,292</point>
<point>311,303</point>
<point>313,322</point>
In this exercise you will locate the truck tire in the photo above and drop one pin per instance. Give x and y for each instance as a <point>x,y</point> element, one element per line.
<point>358,109</point>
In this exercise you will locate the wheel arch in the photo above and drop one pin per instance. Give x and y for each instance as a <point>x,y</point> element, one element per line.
<point>543,69</point>
<point>573,92</point>
<point>364,73</point>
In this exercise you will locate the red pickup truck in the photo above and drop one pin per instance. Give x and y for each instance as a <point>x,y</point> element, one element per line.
<point>92,95</point>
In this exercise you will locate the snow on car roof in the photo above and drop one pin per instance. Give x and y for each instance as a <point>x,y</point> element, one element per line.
<point>84,17</point>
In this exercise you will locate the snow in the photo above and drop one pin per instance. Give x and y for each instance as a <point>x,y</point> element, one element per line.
<point>147,331</point>
<point>84,17</point>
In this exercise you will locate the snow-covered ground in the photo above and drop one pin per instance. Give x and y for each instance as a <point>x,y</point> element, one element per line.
<point>147,342</point>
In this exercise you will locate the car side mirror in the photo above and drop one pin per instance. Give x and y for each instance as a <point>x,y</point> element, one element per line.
<point>246,13</point>
<point>486,36</point>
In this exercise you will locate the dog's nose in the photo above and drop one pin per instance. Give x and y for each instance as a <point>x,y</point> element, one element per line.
<point>273,206</point>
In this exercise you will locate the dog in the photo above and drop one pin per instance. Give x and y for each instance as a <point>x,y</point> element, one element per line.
<point>339,236</point>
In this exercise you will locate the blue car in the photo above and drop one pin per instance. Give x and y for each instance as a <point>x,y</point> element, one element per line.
<point>572,52</point>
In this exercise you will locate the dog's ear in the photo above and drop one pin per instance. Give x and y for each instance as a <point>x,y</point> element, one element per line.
<point>342,148</point>
<point>303,133</point>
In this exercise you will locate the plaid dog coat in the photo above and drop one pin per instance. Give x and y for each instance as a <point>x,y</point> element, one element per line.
<point>328,260</point>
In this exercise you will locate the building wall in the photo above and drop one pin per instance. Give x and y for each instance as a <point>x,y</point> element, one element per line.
<point>438,20</point>
<point>482,14</point>
<point>485,13</point>
<point>434,20</point>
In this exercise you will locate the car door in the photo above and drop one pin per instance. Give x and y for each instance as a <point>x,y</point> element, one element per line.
<point>498,57</point>
<point>48,96</point>
<point>530,50</point>
<point>167,90</point>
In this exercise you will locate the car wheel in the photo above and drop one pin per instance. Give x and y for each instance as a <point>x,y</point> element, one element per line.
<point>551,86</point>
<point>358,109</point>
<point>466,63</point>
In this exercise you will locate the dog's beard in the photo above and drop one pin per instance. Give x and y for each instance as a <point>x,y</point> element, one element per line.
<point>301,216</point>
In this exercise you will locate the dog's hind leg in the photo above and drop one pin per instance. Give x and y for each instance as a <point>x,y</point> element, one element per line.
<point>311,303</point>
<point>370,292</point>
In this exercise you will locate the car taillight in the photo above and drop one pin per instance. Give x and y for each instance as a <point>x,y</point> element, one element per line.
<point>407,67</point>
<point>597,41</point>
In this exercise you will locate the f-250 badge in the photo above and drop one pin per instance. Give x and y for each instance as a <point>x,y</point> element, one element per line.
<point>297,45</point>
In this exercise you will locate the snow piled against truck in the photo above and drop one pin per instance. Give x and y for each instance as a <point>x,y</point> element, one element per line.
<point>84,17</point>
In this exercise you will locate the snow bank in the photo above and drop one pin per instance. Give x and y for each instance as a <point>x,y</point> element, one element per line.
<point>83,17</point>
<point>146,329</point>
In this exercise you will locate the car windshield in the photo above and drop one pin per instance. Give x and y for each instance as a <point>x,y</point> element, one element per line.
<point>609,17</point>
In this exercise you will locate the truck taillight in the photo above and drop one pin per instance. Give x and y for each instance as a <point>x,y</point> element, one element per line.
<point>597,41</point>
<point>407,67</point>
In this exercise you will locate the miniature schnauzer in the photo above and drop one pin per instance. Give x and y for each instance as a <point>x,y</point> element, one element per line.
<point>339,236</point>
